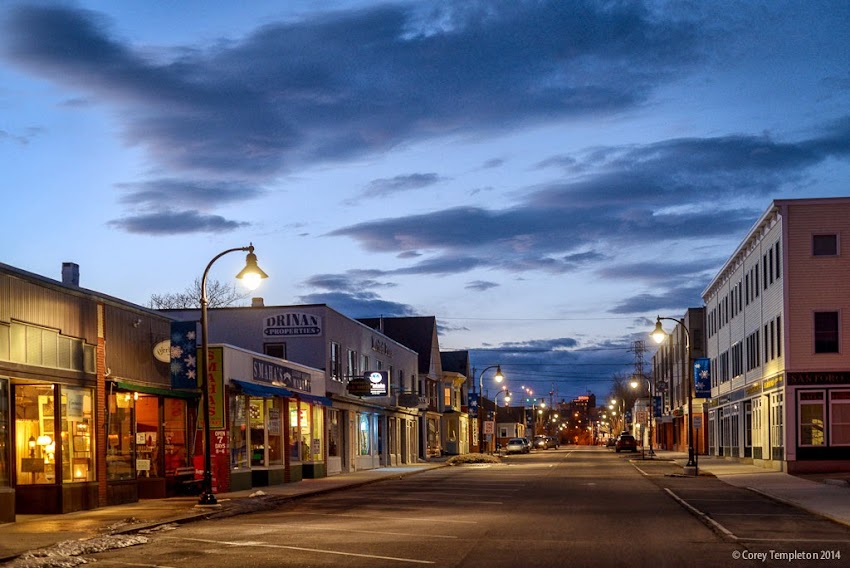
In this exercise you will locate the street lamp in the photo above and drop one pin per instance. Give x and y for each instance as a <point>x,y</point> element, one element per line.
<point>617,404</point>
<point>635,385</point>
<point>507,394</point>
<point>498,377</point>
<point>251,276</point>
<point>659,335</point>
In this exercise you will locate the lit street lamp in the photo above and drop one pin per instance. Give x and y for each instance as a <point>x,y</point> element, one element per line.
<point>635,385</point>
<point>498,377</point>
<point>659,335</point>
<point>251,276</point>
<point>507,394</point>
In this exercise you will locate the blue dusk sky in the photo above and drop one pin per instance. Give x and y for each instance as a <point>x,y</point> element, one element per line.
<point>543,177</point>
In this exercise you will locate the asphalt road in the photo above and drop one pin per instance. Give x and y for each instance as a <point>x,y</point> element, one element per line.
<point>553,508</point>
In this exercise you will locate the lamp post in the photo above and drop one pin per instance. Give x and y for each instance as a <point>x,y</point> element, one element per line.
<point>619,405</point>
<point>659,335</point>
<point>250,276</point>
<point>504,390</point>
<point>635,385</point>
<point>498,377</point>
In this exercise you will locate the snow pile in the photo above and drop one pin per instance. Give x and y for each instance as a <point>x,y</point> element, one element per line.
<point>70,553</point>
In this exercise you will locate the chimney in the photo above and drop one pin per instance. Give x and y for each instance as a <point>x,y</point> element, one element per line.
<point>71,274</point>
<point>257,303</point>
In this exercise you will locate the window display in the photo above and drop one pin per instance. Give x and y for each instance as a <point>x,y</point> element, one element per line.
<point>174,431</point>
<point>238,432</point>
<point>35,431</point>
<point>120,438</point>
<point>148,460</point>
<point>77,426</point>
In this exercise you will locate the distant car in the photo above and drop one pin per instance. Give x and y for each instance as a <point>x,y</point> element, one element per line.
<point>612,441</point>
<point>517,446</point>
<point>625,442</point>
<point>553,442</point>
<point>542,443</point>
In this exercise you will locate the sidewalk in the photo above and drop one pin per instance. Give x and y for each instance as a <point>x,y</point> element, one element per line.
<point>822,494</point>
<point>31,532</point>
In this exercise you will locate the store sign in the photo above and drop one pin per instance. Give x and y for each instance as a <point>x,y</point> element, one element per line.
<point>292,324</point>
<point>281,375</point>
<point>379,382</point>
<point>162,351</point>
<point>373,383</point>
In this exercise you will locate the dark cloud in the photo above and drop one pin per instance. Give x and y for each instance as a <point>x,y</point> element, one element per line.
<point>359,305</point>
<point>561,366</point>
<point>673,190</point>
<point>675,299</point>
<point>350,282</point>
<point>660,272</point>
<point>175,223</point>
<point>185,193</point>
<point>480,285</point>
<point>387,186</point>
<point>338,85</point>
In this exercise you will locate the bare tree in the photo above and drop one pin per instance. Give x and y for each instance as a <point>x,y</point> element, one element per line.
<point>219,295</point>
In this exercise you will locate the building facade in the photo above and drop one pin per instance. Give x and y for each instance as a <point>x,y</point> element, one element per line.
<point>672,375</point>
<point>778,340</point>
<point>362,431</point>
<point>85,402</point>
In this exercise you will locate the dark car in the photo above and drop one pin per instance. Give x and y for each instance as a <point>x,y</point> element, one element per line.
<point>553,442</point>
<point>625,442</point>
<point>542,443</point>
<point>612,441</point>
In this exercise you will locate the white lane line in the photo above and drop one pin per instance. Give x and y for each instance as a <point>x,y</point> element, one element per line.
<point>433,500</point>
<point>701,515</point>
<point>382,517</point>
<point>122,563</point>
<point>255,543</point>
<point>338,529</point>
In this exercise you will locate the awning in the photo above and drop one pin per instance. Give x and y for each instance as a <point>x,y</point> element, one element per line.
<point>255,389</point>
<point>323,400</point>
<point>161,391</point>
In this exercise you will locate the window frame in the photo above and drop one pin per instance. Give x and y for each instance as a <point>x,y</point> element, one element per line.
<point>818,336</point>
<point>819,242</point>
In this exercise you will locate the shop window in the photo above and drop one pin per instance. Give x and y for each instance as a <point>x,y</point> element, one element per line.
<point>274,429</point>
<point>120,438</point>
<point>364,445</point>
<point>839,410</point>
<point>5,476</point>
<point>256,416</point>
<point>174,432</point>
<point>294,432</point>
<point>147,437</point>
<point>238,431</point>
<point>811,413</point>
<point>77,434</point>
<point>334,433</point>
<point>35,434</point>
<point>318,452</point>
<point>306,430</point>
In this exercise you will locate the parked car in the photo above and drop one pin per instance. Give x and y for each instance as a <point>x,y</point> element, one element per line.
<point>625,442</point>
<point>553,442</point>
<point>541,443</point>
<point>517,446</point>
<point>612,441</point>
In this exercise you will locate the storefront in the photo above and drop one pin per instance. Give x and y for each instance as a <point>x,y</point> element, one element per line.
<point>54,447</point>
<point>268,427</point>
<point>147,441</point>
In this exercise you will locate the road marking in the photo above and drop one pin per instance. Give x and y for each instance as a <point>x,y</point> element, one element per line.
<point>303,549</point>
<point>433,500</point>
<point>389,518</point>
<point>338,529</point>
<point>701,515</point>
<point>122,563</point>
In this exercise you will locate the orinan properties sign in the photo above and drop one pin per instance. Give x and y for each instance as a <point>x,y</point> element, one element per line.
<point>289,324</point>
